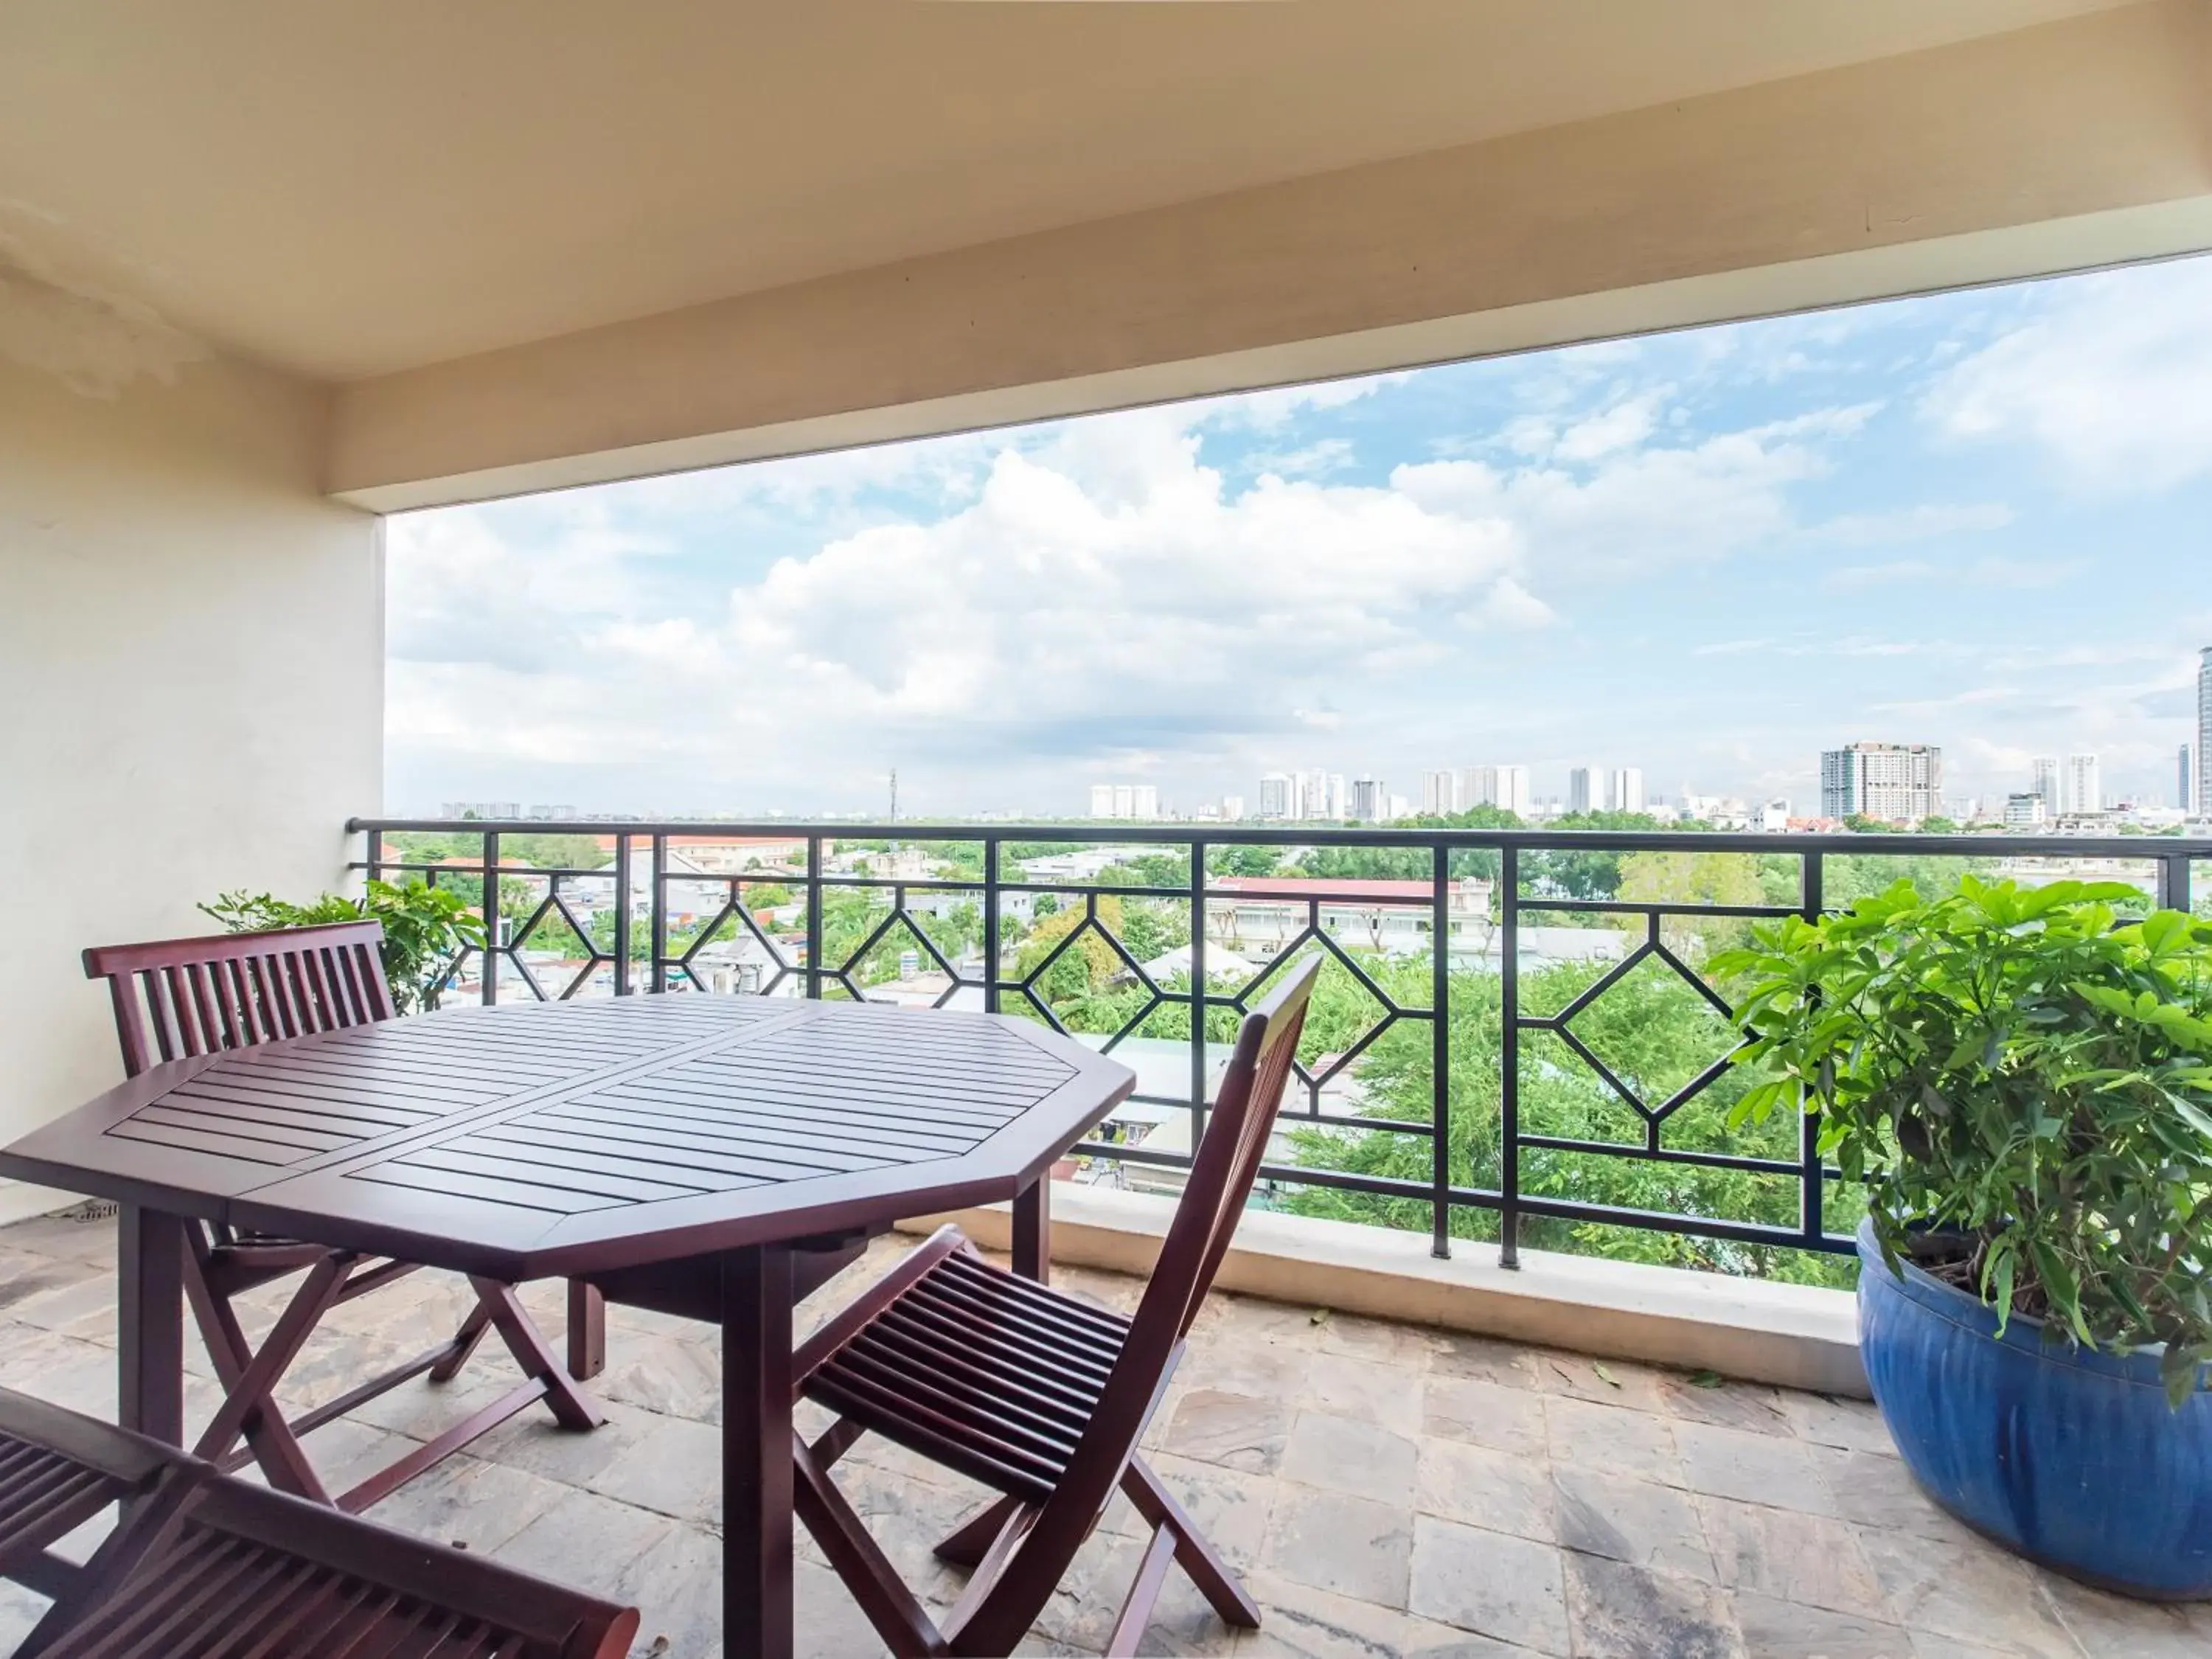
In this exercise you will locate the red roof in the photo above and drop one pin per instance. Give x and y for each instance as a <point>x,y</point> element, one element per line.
<point>1321,887</point>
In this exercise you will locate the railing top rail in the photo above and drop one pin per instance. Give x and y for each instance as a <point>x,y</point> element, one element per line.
<point>1964,845</point>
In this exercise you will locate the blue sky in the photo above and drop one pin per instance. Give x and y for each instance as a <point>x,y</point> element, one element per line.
<point>1980,519</point>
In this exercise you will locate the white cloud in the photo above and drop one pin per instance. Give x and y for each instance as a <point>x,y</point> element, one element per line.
<point>1643,506</point>
<point>2112,378</point>
<point>1919,523</point>
<point>1104,590</point>
<point>1626,423</point>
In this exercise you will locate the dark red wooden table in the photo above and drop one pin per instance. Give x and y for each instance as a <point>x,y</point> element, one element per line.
<point>715,1157</point>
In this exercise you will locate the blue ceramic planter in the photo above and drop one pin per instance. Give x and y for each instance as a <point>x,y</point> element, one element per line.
<point>2072,1459</point>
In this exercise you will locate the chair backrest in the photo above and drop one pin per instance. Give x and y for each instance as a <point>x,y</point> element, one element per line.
<point>1214,1199</point>
<point>57,1470</point>
<point>179,997</point>
<point>227,1568</point>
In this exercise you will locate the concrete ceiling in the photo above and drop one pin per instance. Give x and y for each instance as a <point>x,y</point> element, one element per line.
<point>349,190</point>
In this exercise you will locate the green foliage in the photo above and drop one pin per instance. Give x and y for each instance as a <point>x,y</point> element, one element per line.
<point>2012,1065</point>
<point>424,929</point>
<point>1573,873</point>
<point>1242,860</point>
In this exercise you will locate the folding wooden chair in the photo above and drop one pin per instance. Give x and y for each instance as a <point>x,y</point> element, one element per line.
<point>57,1471</point>
<point>200,1565</point>
<point>1036,1395</point>
<point>196,996</point>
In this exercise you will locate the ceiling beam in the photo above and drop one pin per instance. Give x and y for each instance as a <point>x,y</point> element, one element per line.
<point>2079,143</point>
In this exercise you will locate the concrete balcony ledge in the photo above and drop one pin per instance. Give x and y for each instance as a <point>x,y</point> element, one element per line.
<point>1792,1335</point>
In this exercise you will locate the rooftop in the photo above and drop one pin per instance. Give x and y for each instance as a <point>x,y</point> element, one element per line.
<point>1389,1489</point>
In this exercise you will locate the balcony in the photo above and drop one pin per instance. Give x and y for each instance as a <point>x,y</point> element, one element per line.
<point>1389,1488</point>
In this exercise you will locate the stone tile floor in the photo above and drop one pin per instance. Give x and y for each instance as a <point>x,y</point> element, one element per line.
<point>1386,1489</point>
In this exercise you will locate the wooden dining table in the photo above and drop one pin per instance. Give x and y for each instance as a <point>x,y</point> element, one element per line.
<point>712,1156</point>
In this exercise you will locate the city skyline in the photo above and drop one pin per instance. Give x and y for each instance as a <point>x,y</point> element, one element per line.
<point>1973,520</point>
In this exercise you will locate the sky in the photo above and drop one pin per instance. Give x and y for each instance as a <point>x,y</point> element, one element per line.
<point>1979,520</point>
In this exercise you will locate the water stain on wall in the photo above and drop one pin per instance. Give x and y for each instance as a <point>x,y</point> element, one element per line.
<point>58,318</point>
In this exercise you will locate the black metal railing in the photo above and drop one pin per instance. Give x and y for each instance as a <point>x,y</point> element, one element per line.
<point>1467,952</point>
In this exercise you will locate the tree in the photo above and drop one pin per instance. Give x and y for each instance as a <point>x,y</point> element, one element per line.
<point>1730,878</point>
<point>1242,860</point>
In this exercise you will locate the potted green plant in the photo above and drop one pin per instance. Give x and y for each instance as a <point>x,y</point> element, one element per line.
<point>425,927</point>
<point>2020,1079</point>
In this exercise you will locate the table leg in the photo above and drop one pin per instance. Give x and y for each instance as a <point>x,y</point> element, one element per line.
<point>1033,1230</point>
<point>756,1472</point>
<point>150,1347</point>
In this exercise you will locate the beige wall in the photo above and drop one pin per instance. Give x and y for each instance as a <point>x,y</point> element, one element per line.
<point>191,665</point>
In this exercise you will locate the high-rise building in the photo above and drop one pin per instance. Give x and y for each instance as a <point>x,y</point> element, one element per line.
<point>1895,782</point>
<point>1125,800</point>
<point>1320,795</point>
<point>2204,803</point>
<point>1232,807</point>
<point>1585,789</point>
<point>1371,800</point>
<point>1279,795</point>
<point>1439,794</point>
<point>1495,786</point>
<point>1510,790</point>
<point>2024,811</point>
<point>2082,786</point>
<point>2185,785</point>
<point>1624,789</point>
<point>2044,781</point>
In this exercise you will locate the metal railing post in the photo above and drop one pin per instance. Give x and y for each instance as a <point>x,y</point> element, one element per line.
<point>1197,991</point>
<point>1509,1046</point>
<point>1440,1053</point>
<point>2173,880</point>
<point>1811,1205</point>
<point>623,900</point>
<point>816,893</point>
<point>488,904</point>
<point>376,855</point>
<point>657,980</point>
<point>992,908</point>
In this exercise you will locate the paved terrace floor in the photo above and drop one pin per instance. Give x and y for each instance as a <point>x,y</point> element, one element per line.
<point>1388,1490</point>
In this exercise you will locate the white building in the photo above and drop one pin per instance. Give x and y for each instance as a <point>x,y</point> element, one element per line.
<point>2203,804</point>
<point>2026,810</point>
<point>2184,788</point>
<point>1585,789</point>
<point>1125,800</point>
<point>1279,795</point>
<point>1895,782</point>
<point>1440,793</point>
<point>1371,800</point>
<point>1232,807</point>
<point>1496,786</point>
<point>1624,789</point>
<point>2084,788</point>
<point>2044,781</point>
